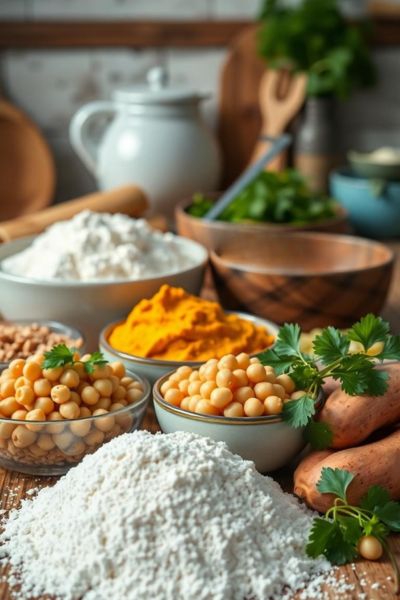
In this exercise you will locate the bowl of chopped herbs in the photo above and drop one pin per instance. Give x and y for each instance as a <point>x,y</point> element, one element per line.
<point>277,202</point>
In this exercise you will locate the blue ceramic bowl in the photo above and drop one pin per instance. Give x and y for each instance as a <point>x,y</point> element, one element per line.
<point>373,205</point>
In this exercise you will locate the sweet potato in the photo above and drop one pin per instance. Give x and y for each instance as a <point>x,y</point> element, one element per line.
<point>372,464</point>
<point>353,418</point>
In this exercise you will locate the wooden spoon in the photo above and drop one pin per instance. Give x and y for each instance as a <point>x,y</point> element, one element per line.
<point>27,175</point>
<point>281,96</point>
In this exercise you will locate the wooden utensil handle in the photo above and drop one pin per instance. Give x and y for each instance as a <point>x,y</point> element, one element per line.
<point>129,200</point>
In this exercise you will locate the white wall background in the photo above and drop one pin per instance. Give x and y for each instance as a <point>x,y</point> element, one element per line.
<point>51,84</point>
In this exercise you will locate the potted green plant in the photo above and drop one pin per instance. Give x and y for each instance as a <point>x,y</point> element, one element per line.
<point>315,38</point>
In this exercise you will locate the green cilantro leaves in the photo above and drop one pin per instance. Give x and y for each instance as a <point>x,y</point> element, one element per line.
<point>61,355</point>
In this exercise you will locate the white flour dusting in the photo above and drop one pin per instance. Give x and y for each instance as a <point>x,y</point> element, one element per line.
<point>98,246</point>
<point>163,517</point>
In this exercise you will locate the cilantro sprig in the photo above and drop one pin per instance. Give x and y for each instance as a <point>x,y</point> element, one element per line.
<point>61,355</point>
<point>339,534</point>
<point>349,358</point>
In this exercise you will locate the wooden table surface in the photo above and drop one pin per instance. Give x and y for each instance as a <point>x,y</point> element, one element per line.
<point>370,581</point>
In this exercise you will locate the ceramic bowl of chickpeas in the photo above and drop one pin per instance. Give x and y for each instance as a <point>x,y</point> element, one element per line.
<point>50,418</point>
<point>236,400</point>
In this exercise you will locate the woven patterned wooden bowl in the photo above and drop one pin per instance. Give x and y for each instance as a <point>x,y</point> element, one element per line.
<point>314,279</point>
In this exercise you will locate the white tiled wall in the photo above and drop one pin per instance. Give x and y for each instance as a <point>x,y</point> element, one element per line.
<point>51,84</point>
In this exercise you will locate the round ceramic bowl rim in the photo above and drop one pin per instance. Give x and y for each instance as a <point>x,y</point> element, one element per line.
<point>363,157</point>
<point>69,330</point>
<point>218,261</point>
<point>345,174</point>
<point>201,262</point>
<point>219,419</point>
<point>180,210</point>
<point>155,362</point>
<point>126,409</point>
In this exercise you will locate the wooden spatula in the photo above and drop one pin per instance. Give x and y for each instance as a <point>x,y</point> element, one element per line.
<point>281,96</point>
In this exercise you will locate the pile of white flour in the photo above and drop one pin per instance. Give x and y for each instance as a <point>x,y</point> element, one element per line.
<point>98,246</point>
<point>163,517</point>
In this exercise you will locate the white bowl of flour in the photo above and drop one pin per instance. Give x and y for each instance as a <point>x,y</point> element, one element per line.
<point>92,269</point>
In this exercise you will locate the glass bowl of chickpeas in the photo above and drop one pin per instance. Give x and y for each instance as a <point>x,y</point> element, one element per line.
<point>50,418</point>
<point>236,400</point>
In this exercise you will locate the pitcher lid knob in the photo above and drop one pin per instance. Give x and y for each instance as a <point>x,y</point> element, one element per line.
<point>157,77</point>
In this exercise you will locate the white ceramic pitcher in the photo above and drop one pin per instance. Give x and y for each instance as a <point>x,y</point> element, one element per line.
<point>157,139</point>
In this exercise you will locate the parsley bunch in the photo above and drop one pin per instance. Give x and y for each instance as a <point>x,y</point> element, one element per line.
<point>334,356</point>
<point>61,355</point>
<point>337,535</point>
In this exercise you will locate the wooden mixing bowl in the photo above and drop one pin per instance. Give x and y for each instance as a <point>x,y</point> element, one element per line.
<point>214,233</point>
<point>314,279</point>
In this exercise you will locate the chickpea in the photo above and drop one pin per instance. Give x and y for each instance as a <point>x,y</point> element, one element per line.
<point>185,403</point>
<point>102,372</point>
<point>225,378</point>
<point>75,397</point>
<point>77,448</point>
<point>63,440</point>
<point>210,372</point>
<point>134,395</point>
<point>94,438</point>
<point>84,412</point>
<point>45,403</point>
<point>167,385</point>
<point>273,405</point>
<point>184,372</point>
<point>81,387</point>
<point>174,378</point>
<point>221,397</point>
<point>118,369</point>
<point>57,427</point>
<point>16,367</point>
<point>53,374</point>
<point>242,394</point>
<point>69,410</point>
<point>234,409</point>
<point>7,388</point>
<point>119,393</point>
<point>8,406</point>
<point>279,390</point>
<point>116,406</point>
<point>24,395</point>
<point>270,373</point>
<point>70,378</point>
<point>104,423</point>
<point>206,388</point>
<point>104,387</point>
<point>42,387</point>
<point>60,394</point>
<point>21,381</point>
<point>228,361</point>
<point>36,451</point>
<point>194,376</point>
<point>183,385</point>
<point>256,373</point>
<point>126,381</point>
<point>263,389</point>
<point>45,442</point>
<point>80,428</point>
<point>243,360</point>
<point>114,382</point>
<point>297,395</point>
<point>136,385</point>
<point>32,370</point>
<point>253,407</point>
<point>79,368</point>
<point>254,360</point>
<point>35,415</point>
<point>114,432</point>
<point>193,402</point>
<point>125,421</point>
<point>370,547</point>
<point>6,430</point>
<point>194,388</point>
<point>174,397</point>
<point>241,377</point>
<point>212,361</point>
<point>287,383</point>
<point>23,437</point>
<point>206,408</point>
<point>102,403</point>
<point>90,395</point>
<point>19,415</point>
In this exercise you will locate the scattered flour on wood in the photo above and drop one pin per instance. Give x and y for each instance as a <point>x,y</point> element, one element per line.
<point>168,517</point>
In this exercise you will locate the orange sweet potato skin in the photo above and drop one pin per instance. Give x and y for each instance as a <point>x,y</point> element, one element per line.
<point>372,464</point>
<point>353,418</point>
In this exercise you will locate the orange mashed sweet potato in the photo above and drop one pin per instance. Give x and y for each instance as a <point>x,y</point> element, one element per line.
<point>174,325</point>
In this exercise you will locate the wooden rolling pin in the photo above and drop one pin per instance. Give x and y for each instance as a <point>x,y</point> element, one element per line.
<point>129,200</point>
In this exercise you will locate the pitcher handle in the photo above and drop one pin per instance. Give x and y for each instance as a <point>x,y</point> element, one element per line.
<point>79,134</point>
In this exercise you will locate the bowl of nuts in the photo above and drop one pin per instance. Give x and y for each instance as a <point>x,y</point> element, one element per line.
<point>57,407</point>
<point>236,400</point>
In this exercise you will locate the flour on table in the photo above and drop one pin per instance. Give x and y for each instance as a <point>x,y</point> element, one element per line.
<point>169,517</point>
<point>99,246</point>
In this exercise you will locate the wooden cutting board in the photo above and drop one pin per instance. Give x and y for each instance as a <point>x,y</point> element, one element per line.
<point>27,175</point>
